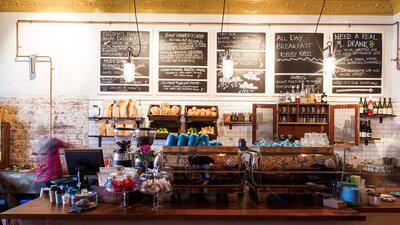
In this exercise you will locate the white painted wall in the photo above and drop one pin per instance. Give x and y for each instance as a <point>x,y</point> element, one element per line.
<point>75,50</point>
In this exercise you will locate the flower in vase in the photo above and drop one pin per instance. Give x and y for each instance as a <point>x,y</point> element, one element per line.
<point>145,154</point>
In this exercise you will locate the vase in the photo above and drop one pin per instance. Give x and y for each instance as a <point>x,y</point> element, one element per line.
<point>145,166</point>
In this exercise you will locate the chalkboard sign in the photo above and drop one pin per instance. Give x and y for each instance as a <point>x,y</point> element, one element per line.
<point>183,61</point>
<point>116,43</point>
<point>284,83</point>
<point>298,53</point>
<point>183,49</point>
<point>248,55</point>
<point>114,52</point>
<point>359,59</point>
<point>240,41</point>
<point>182,86</point>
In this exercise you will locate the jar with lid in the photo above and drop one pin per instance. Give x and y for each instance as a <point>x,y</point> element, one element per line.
<point>85,200</point>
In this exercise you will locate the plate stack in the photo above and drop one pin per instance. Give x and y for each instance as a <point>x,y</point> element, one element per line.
<point>351,195</point>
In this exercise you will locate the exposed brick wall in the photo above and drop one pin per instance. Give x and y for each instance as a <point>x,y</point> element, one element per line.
<point>29,120</point>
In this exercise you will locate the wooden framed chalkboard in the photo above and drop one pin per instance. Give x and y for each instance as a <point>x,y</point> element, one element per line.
<point>183,62</point>
<point>114,52</point>
<point>298,59</point>
<point>248,55</point>
<point>358,63</point>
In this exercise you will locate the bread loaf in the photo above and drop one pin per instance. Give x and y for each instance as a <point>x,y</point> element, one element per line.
<point>132,109</point>
<point>108,108</point>
<point>175,110</point>
<point>155,110</point>
<point>165,111</point>
<point>164,104</point>
<point>123,108</point>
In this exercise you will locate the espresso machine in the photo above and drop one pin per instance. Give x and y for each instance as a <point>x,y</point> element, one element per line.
<point>123,156</point>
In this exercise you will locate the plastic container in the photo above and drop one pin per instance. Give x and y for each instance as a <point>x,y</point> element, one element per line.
<point>85,200</point>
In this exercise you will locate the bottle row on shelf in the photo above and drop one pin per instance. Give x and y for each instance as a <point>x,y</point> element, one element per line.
<point>305,94</point>
<point>377,107</point>
<point>365,129</point>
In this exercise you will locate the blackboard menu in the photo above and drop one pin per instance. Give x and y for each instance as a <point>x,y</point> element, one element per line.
<point>114,52</point>
<point>284,83</point>
<point>183,61</point>
<point>298,59</point>
<point>358,63</point>
<point>248,55</point>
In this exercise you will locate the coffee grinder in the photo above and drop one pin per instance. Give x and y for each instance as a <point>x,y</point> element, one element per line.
<point>123,138</point>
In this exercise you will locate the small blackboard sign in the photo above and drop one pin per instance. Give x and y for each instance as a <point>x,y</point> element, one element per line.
<point>182,73</point>
<point>115,67</point>
<point>114,52</point>
<point>183,48</point>
<point>284,83</point>
<point>116,43</point>
<point>251,81</point>
<point>240,41</point>
<point>182,86</point>
<point>298,53</point>
<point>358,59</point>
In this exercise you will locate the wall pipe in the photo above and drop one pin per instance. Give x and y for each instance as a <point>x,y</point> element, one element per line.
<point>49,60</point>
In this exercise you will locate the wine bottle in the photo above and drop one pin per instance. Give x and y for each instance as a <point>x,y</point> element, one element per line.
<point>370,107</point>
<point>361,106</point>
<point>312,94</point>
<point>390,107</point>
<point>287,96</point>
<point>380,109</point>
<point>297,98</point>
<point>302,93</point>
<point>293,95</point>
<point>384,107</point>
<point>375,108</point>
<point>324,98</point>
<point>369,129</point>
<point>363,129</point>
<point>365,107</point>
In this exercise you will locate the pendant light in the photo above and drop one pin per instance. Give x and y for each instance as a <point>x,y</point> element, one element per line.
<point>227,62</point>
<point>129,64</point>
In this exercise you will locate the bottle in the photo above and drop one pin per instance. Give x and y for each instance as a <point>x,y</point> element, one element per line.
<point>297,98</point>
<point>369,129</point>
<point>312,94</point>
<point>370,107</point>
<point>380,109</point>
<point>307,94</point>
<point>302,93</point>
<point>287,96</point>
<point>361,106</point>
<point>317,97</point>
<point>375,108</point>
<point>324,98</point>
<point>293,96</point>
<point>281,97</point>
<point>390,107</point>
<point>365,107</point>
<point>384,107</point>
<point>363,129</point>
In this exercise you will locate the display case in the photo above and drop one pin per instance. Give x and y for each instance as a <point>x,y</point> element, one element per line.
<point>207,170</point>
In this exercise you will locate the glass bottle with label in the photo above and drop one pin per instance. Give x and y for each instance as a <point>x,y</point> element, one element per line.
<point>375,108</point>
<point>380,109</point>
<point>312,94</point>
<point>370,107</point>
<point>361,106</point>
<point>369,129</point>
<point>365,107</point>
<point>297,98</point>
<point>293,96</point>
<point>324,98</point>
<point>384,107</point>
<point>287,96</point>
<point>390,107</point>
<point>302,93</point>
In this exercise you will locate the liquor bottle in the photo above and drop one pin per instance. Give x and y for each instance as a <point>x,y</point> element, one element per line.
<point>307,94</point>
<point>293,96</point>
<point>380,109</point>
<point>365,107</point>
<point>375,108</point>
<point>369,129</point>
<point>384,107</point>
<point>281,97</point>
<point>370,107</point>
<point>297,98</point>
<point>390,107</point>
<point>287,96</point>
<point>312,94</point>
<point>324,98</point>
<point>302,93</point>
<point>317,97</point>
<point>361,106</point>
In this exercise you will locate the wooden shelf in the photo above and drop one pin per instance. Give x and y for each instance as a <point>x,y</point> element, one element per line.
<point>300,123</point>
<point>99,136</point>
<point>376,116</point>
<point>230,123</point>
<point>366,139</point>
<point>115,118</point>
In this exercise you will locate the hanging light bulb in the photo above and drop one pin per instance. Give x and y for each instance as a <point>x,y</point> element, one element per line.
<point>329,60</point>
<point>227,64</point>
<point>129,67</point>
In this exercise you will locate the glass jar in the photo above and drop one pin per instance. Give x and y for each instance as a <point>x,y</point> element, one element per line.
<point>85,200</point>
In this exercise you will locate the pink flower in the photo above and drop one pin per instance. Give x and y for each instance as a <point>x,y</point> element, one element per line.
<point>145,149</point>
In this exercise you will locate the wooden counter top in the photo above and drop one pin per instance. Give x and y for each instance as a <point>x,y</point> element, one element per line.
<point>41,208</point>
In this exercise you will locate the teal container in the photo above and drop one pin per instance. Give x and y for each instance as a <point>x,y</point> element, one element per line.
<point>183,140</point>
<point>172,140</point>
<point>193,139</point>
<point>204,138</point>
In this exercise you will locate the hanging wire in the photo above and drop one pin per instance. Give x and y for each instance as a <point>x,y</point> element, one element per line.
<point>316,27</point>
<point>137,29</point>
<point>222,24</point>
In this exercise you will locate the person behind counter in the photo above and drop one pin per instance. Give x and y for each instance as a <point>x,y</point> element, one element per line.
<point>47,159</point>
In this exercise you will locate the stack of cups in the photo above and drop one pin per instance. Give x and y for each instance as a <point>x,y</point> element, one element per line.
<point>351,195</point>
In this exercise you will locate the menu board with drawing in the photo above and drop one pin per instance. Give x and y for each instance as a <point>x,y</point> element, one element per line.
<point>298,59</point>
<point>183,62</point>
<point>114,52</point>
<point>358,63</point>
<point>248,55</point>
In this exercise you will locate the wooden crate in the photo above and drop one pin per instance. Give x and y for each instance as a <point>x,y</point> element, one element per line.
<point>200,118</point>
<point>164,117</point>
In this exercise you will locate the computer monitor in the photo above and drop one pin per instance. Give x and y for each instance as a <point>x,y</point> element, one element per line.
<point>88,161</point>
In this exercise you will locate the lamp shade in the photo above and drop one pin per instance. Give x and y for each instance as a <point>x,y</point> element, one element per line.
<point>227,65</point>
<point>129,71</point>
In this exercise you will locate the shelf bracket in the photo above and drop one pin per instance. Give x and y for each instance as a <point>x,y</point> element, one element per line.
<point>230,126</point>
<point>99,139</point>
<point>366,140</point>
<point>380,119</point>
